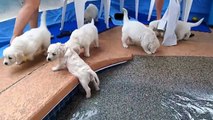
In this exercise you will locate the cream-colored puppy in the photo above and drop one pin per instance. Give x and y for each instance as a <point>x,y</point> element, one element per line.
<point>69,59</point>
<point>83,38</point>
<point>182,31</point>
<point>27,45</point>
<point>57,51</point>
<point>134,32</point>
<point>90,13</point>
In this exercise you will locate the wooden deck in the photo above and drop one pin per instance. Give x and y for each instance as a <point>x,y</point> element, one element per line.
<point>31,90</point>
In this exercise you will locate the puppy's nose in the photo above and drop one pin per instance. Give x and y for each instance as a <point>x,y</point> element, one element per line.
<point>5,63</point>
<point>48,59</point>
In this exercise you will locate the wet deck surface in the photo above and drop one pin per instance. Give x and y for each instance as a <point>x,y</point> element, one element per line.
<point>147,88</point>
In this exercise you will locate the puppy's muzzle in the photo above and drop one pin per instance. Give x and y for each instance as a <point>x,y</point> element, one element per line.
<point>48,59</point>
<point>5,63</point>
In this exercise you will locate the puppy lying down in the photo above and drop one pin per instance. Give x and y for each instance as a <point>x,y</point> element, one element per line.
<point>134,32</point>
<point>83,38</point>
<point>182,31</point>
<point>90,13</point>
<point>27,45</point>
<point>69,59</point>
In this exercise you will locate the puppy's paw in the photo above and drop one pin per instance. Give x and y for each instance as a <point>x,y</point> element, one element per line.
<point>88,95</point>
<point>55,69</point>
<point>97,46</point>
<point>148,52</point>
<point>97,89</point>
<point>30,59</point>
<point>125,45</point>
<point>87,55</point>
<point>19,63</point>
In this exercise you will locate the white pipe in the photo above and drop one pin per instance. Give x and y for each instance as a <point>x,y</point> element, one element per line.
<point>63,14</point>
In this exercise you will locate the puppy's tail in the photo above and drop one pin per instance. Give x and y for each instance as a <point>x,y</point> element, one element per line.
<point>196,24</point>
<point>153,25</point>
<point>125,18</point>
<point>43,19</point>
<point>94,75</point>
<point>92,22</point>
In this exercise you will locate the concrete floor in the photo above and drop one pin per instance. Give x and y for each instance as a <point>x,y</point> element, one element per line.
<point>147,88</point>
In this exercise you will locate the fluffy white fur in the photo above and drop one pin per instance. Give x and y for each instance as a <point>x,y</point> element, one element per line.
<point>90,13</point>
<point>182,31</point>
<point>69,59</point>
<point>134,32</point>
<point>26,46</point>
<point>83,38</point>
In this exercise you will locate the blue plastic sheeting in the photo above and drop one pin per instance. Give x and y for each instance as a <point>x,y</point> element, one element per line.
<point>200,8</point>
<point>143,18</point>
<point>53,17</point>
<point>70,26</point>
<point>210,22</point>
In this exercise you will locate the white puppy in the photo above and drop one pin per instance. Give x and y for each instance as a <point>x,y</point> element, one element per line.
<point>56,51</point>
<point>26,46</point>
<point>137,33</point>
<point>69,59</point>
<point>90,13</point>
<point>182,31</point>
<point>83,38</point>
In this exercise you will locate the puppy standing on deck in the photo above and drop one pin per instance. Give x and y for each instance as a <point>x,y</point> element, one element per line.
<point>69,59</point>
<point>182,31</point>
<point>27,45</point>
<point>90,13</point>
<point>83,38</point>
<point>137,33</point>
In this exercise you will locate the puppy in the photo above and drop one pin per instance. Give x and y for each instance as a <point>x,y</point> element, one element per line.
<point>134,32</point>
<point>69,59</point>
<point>83,38</point>
<point>26,46</point>
<point>56,51</point>
<point>182,31</point>
<point>90,13</point>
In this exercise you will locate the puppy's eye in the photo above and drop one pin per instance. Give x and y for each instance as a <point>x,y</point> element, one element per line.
<point>53,54</point>
<point>10,58</point>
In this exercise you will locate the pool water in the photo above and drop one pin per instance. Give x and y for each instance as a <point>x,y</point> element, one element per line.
<point>168,88</point>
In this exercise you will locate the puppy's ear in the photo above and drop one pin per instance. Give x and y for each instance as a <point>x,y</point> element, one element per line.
<point>68,53</point>
<point>77,50</point>
<point>76,34</point>
<point>19,56</point>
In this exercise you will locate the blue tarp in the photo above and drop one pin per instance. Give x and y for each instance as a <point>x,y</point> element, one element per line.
<point>200,8</point>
